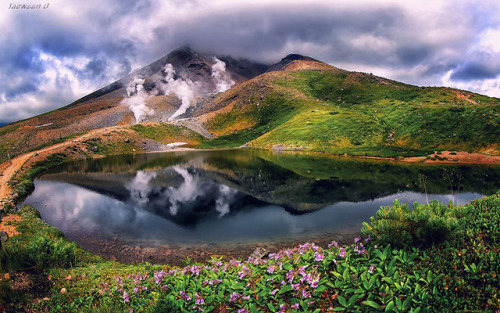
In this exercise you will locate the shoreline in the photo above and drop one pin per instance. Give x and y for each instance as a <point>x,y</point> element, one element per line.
<point>9,169</point>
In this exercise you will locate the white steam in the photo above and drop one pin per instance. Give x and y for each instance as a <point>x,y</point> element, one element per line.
<point>136,99</point>
<point>222,79</point>
<point>184,89</point>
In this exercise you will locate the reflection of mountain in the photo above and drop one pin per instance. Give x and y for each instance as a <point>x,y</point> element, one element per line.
<point>185,187</point>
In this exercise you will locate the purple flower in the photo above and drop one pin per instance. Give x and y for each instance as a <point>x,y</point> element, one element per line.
<point>136,290</point>
<point>369,238</point>
<point>341,253</point>
<point>126,297</point>
<point>318,257</point>
<point>294,306</point>
<point>357,239</point>
<point>199,299</point>
<point>197,307</point>
<point>242,311</point>
<point>371,269</point>
<point>246,297</point>
<point>270,269</point>
<point>332,244</point>
<point>235,296</point>
<point>305,294</point>
<point>274,292</point>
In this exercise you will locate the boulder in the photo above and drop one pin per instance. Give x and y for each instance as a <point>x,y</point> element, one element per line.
<point>259,253</point>
<point>3,236</point>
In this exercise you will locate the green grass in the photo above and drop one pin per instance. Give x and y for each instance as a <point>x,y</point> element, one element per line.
<point>351,113</point>
<point>24,183</point>
<point>442,276</point>
<point>167,133</point>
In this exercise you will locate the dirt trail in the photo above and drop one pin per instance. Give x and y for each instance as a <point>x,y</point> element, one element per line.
<point>9,169</point>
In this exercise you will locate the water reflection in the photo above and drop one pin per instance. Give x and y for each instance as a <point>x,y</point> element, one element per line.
<point>242,196</point>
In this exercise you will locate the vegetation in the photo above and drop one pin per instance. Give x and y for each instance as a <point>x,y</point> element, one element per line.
<point>167,133</point>
<point>24,183</point>
<point>357,114</point>
<point>428,275</point>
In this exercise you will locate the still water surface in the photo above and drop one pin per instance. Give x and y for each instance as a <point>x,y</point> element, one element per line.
<point>239,196</point>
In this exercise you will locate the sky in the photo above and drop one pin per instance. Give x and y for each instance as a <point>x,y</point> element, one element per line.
<point>61,50</point>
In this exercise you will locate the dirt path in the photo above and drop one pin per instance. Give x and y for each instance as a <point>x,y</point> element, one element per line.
<point>9,169</point>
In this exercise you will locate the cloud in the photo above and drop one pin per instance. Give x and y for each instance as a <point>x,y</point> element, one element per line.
<point>91,44</point>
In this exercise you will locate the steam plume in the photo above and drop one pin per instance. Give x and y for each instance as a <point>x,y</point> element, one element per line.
<point>222,79</point>
<point>136,99</point>
<point>184,89</point>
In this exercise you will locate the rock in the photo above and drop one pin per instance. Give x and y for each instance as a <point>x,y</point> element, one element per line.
<point>6,276</point>
<point>127,140</point>
<point>259,253</point>
<point>94,149</point>
<point>63,290</point>
<point>3,236</point>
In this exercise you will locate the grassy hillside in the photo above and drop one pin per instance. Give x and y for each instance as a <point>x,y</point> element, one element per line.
<point>355,113</point>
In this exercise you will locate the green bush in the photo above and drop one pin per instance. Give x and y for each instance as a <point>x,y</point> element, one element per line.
<point>400,226</point>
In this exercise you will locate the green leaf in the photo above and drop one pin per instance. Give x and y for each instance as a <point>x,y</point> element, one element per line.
<point>387,252</point>
<point>391,268</point>
<point>388,280</point>
<point>372,304</point>
<point>338,309</point>
<point>406,303</point>
<point>210,299</point>
<point>389,307</point>
<point>342,301</point>
<point>352,300</point>
<point>271,307</point>
<point>287,266</point>
<point>345,275</point>
<point>285,288</point>
<point>238,286</point>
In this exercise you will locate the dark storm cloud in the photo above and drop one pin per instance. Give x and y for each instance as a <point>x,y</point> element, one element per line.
<point>480,66</point>
<point>79,47</point>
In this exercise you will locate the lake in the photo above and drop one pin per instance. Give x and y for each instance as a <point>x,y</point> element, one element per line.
<point>161,206</point>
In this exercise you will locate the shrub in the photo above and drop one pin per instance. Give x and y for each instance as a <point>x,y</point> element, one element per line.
<point>423,225</point>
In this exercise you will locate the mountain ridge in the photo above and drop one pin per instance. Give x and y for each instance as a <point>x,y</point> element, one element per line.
<point>299,103</point>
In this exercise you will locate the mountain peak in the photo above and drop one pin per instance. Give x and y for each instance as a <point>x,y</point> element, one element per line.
<point>281,65</point>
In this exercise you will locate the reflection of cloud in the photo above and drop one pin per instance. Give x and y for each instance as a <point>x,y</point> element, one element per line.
<point>222,202</point>
<point>139,187</point>
<point>186,192</point>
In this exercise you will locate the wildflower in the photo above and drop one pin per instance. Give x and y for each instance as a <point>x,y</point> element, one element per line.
<point>369,238</point>
<point>333,244</point>
<point>318,257</point>
<point>126,297</point>
<point>136,290</point>
<point>357,239</point>
<point>341,253</point>
<point>274,292</point>
<point>235,296</point>
<point>246,297</point>
<point>315,282</point>
<point>242,311</point>
<point>305,294</point>
<point>270,269</point>
<point>371,269</point>
<point>199,299</point>
<point>197,308</point>
<point>295,287</point>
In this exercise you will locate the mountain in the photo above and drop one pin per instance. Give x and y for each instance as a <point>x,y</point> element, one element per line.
<point>299,103</point>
